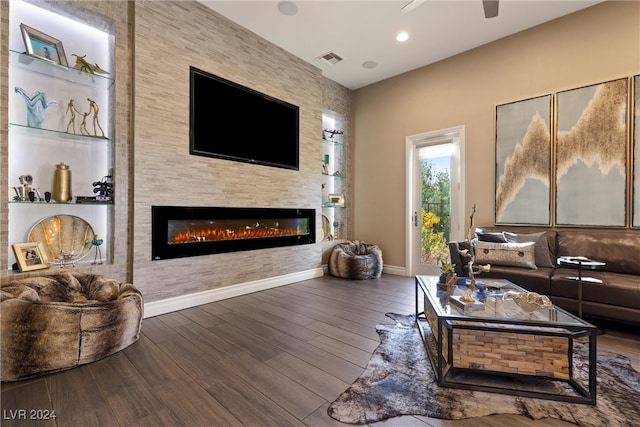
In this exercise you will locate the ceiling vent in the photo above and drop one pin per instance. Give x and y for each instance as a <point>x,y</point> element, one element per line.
<point>331,57</point>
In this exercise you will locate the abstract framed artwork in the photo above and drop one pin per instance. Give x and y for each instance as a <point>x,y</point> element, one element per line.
<point>591,155</point>
<point>635,222</point>
<point>523,162</point>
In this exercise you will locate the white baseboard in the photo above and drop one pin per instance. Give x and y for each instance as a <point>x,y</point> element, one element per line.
<point>395,270</point>
<point>156,308</point>
<point>389,269</point>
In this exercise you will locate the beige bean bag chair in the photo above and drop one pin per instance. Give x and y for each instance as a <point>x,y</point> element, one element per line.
<point>355,260</point>
<point>51,323</point>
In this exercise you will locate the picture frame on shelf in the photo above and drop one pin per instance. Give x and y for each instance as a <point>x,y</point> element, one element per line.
<point>337,200</point>
<point>30,256</point>
<point>43,46</point>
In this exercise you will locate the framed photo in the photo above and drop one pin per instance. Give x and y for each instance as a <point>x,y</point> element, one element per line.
<point>337,200</point>
<point>30,256</point>
<point>591,155</point>
<point>523,162</point>
<point>43,46</point>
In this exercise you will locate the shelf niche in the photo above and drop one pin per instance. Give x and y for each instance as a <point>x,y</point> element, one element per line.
<point>36,150</point>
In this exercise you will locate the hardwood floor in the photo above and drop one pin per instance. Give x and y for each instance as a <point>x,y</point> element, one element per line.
<point>276,358</point>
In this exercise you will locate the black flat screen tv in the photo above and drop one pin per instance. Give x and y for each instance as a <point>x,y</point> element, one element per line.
<point>233,122</point>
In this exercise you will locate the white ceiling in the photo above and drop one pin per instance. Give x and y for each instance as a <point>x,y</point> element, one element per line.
<point>365,30</point>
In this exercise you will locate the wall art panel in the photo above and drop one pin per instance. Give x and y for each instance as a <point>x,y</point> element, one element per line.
<point>523,162</point>
<point>591,155</point>
<point>636,152</point>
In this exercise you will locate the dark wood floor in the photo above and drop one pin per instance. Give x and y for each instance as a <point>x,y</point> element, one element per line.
<point>272,358</point>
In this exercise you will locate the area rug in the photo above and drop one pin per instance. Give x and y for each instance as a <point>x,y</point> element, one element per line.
<point>399,381</point>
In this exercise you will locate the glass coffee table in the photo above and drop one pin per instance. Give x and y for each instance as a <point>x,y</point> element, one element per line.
<point>495,345</point>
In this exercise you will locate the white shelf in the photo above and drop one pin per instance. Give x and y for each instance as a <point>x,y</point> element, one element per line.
<point>36,64</point>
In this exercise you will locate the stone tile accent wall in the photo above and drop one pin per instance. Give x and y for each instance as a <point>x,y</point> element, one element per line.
<point>155,43</point>
<point>169,37</point>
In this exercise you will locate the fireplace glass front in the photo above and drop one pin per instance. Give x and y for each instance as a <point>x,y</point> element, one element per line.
<point>190,231</point>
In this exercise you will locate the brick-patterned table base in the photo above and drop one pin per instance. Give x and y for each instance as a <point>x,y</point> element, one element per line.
<point>466,349</point>
<point>510,352</point>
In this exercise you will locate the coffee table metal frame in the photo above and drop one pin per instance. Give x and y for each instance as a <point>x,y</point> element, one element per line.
<point>448,322</point>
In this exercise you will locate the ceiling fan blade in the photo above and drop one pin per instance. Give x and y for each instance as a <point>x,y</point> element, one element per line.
<point>411,5</point>
<point>490,8</point>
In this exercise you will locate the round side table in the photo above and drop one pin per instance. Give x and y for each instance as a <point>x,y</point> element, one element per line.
<point>581,262</point>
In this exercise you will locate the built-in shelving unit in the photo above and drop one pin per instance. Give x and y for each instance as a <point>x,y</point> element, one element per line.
<point>85,144</point>
<point>334,177</point>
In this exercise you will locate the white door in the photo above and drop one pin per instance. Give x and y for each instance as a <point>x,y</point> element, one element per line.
<point>434,198</point>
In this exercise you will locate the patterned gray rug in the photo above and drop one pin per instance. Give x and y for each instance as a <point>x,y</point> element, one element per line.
<point>399,381</point>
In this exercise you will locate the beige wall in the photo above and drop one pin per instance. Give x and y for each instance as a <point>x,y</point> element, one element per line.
<point>591,46</point>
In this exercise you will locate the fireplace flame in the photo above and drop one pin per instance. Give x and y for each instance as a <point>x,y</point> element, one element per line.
<point>217,234</point>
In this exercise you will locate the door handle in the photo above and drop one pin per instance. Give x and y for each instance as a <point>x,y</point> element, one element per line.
<point>415,219</point>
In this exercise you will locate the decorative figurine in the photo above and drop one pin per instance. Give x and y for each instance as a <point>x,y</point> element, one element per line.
<point>471,253</point>
<point>83,65</point>
<point>83,125</point>
<point>333,133</point>
<point>93,106</point>
<point>104,189</point>
<point>67,258</point>
<point>37,105</point>
<point>71,108</point>
<point>97,259</point>
<point>26,181</point>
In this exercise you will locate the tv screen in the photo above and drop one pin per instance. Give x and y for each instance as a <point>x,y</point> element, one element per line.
<point>230,121</point>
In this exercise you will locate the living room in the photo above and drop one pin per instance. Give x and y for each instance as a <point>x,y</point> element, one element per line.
<point>151,126</point>
<point>156,42</point>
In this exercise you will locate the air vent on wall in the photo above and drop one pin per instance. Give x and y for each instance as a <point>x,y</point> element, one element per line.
<point>330,57</point>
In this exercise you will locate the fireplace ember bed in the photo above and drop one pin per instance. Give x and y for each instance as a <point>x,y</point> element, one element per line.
<point>179,231</point>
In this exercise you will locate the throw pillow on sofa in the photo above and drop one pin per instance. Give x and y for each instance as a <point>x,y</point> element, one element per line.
<point>542,250</point>
<point>508,254</point>
<point>490,236</point>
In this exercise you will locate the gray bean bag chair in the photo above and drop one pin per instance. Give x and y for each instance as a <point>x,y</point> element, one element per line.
<point>51,323</point>
<point>355,260</point>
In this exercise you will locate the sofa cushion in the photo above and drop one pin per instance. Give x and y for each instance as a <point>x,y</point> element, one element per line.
<point>511,254</point>
<point>617,248</point>
<point>490,236</point>
<point>459,254</point>
<point>531,280</point>
<point>543,249</point>
<point>622,290</point>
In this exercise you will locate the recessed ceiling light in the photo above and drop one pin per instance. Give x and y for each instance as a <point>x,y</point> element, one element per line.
<point>369,64</point>
<point>402,36</point>
<point>288,8</point>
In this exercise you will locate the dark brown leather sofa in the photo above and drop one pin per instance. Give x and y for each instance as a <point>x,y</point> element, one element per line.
<point>616,298</point>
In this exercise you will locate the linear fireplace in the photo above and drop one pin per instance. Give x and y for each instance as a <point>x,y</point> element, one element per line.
<point>179,231</point>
